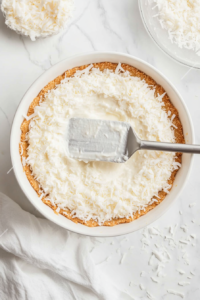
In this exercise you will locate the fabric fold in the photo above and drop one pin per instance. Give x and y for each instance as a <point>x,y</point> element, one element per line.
<point>44,260</point>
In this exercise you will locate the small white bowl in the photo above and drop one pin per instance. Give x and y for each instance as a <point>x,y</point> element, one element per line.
<point>57,70</point>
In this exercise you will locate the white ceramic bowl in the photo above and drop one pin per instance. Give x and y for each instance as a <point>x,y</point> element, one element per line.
<point>33,91</point>
<point>160,36</point>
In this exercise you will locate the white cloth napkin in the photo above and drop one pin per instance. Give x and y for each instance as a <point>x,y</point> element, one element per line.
<point>39,260</point>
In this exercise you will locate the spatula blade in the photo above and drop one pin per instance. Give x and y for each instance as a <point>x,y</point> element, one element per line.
<point>97,140</point>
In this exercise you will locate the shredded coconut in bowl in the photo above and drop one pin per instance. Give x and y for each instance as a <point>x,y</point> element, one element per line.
<point>181,18</point>
<point>38,18</point>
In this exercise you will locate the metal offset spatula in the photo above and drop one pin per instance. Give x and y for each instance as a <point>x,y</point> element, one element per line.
<point>102,140</point>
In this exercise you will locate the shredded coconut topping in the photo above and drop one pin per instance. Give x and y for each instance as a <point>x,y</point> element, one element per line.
<point>181,18</point>
<point>38,18</point>
<point>100,190</point>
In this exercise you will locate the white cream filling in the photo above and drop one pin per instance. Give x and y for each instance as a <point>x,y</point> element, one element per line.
<point>100,190</point>
<point>38,18</point>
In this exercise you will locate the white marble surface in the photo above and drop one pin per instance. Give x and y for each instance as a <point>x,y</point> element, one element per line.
<point>113,25</point>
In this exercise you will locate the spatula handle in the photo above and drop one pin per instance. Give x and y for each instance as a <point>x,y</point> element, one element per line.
<point>170,147</point>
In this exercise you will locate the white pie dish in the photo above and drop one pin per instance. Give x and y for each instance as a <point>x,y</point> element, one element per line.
<point>33,91</point>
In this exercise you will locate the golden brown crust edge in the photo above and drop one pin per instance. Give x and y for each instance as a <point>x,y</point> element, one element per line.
<point>168,106</point>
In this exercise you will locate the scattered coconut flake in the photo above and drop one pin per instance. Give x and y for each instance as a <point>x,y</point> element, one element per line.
<point>171,230</point>
<point>151,260</point>
<point>169,238</point>
<point>154,279</point>
<point>142,274</point>
<point>173,117</point>
<point>21,149</point>
<point>159,256</point>
<point>119,68</point>
<point>193,235</point>
<point>181,271</point>
<point>145,233</point>
<point>41,196</point>
<point>183,283</point>
<point>159,273</point>
<point>150,296</point>
<point>84,71</point>
<point>180,212</point>
<point>153,231</point>
<point>10,170</point>
<point>145,242</point>
<point>58,209</point>
<point>191,272</point>
<point>23,161</point>
<point>184,242</point>
<point>30,117</point>
<point>105,260</point>
<point>173,292</point>
<point>184,228</point>
<point>192,204</point>
<point>123,257</point>
<point>167,253</point>
<point>99,240</point>
<point>172,243</point>
<point>142,287</point>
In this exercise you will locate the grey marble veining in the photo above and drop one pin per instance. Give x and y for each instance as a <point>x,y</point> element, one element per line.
<point>114,25</point>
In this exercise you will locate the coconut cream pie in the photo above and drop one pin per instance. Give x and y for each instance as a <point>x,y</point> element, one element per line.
<point>100,193</point>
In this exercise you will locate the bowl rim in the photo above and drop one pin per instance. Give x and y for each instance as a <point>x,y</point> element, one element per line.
<point>13,149</point>
<point>159,45</point>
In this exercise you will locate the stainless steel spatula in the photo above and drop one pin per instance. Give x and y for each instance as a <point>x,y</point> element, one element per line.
<point>102,140</point>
